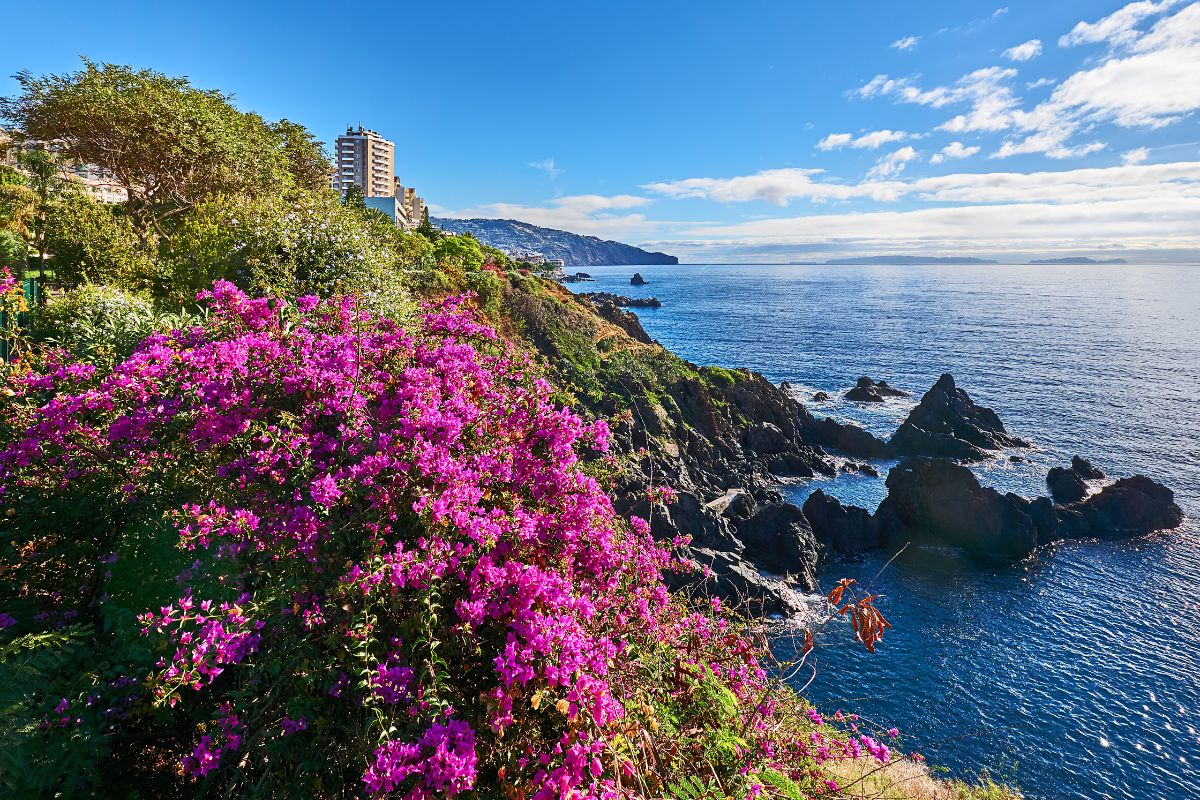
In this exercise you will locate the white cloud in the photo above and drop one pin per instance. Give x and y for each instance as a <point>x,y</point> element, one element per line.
<point>892,164</point>
<point>953,150</point>
<point>547,166</point>
<point>1135,156</point>
<point>985,90</point>
<point>872,140</point>
<point>775,186</point>
<point>1119,27</point>
<point>1024,52</point>
<point>835,141</point>
<point>1150,181</point>
<point>1147,224</point>
<point>1040,82</point>
<point>907,43</point>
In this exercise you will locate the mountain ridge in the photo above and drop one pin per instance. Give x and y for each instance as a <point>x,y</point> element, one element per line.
<point>576,250</point>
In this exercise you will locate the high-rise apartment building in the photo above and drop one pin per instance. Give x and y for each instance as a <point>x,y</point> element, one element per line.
<point>367,159</point>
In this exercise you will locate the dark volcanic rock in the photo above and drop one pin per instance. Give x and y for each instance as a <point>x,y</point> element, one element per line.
<point>948,424</point>
<point>1084,469</point>
<point>767,438</point>
<point>735,504</point>
<point>737,582</point>
<point>637,280</point>
<point>820,397</point>
<point>625,320</point>
<point>843,437</point>
<point>871,391</point>
<point>940,501</point>
<point>843,529</point>
<point>620,300</point>
<point>778,539</point>
<point>1066,486</point>
<point>1129,507</point>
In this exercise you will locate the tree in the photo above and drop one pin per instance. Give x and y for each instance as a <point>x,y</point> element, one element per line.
<point>13,251</point>
<point>354,197</point>
<point>426,228</point>
<point>307,161</point>
<point>166,143</point>
<point>43,171</point>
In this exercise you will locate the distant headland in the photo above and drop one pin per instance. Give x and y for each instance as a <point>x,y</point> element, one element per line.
<point>1079,260</point>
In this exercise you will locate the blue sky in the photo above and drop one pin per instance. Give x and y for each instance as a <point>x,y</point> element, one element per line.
<point>756,132</point>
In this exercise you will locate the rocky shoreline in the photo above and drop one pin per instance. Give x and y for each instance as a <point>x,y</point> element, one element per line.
<point>726,440</point>
<point>761,552</point>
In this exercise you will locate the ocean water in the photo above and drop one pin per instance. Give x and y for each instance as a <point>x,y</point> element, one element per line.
<point>1077,674</point>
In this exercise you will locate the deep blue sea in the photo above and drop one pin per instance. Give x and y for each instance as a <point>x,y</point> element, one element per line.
<point>1077,675</point>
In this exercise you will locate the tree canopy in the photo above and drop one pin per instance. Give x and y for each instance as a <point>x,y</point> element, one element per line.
<point>166,142</point>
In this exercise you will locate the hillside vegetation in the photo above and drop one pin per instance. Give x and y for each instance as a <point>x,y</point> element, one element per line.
<point>297,504</point>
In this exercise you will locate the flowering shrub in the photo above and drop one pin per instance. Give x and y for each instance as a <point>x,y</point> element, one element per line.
<point>395,575</point>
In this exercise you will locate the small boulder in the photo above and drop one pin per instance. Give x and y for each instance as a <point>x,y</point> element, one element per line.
<point>1084,469</point>
<point>778,539</point>
<point>735,503</point>
<point>847,530</point>
<point>767,438</point>
<point>821,397</point>
<point>867,390</point>
<point>637,280</point>
<point>737,583</point>
<point>1066,486</point>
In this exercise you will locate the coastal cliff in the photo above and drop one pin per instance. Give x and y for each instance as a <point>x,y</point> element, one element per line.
<point>575,250</point>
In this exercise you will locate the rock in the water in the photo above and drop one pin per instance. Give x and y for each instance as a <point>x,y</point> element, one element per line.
<point>935,500</point>
<point>948,424</point>
<point>821,397</point>
<point>737,582</point>
<point>778,539</point>
<point>1129,507</point>
<point>867,469</point>
<point>871,391</point>
<point>1084,469</point>
<point>1066,486</point>
<point>843,437</point>
<point>637,280</point>
<point>847,530</point>
<point>620,300</point>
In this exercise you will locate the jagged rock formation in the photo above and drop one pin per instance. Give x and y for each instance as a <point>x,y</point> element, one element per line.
<point>512,235</point>
<point>621,301</point>
<point>948,424</point>
<point>938,501</point>
<point>870,391</point>
<point>637,280</point>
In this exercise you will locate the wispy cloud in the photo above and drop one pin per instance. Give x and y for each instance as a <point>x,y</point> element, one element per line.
<point>872,140</point>
<point>1119,27</point>
<point>547,166</point>
<point>955,150</point>
<point>893,163</point>
<point>907,43</point>
<point>1137,155</point>
<point>1024,52</point>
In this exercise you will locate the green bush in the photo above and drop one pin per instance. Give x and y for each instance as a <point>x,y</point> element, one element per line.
<point>95,323</point>
<point>93,243</point>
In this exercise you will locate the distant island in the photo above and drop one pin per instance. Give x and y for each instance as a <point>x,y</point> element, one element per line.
<point>909,260</point>
<point>574,250</point>
<point>1079,260</point>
